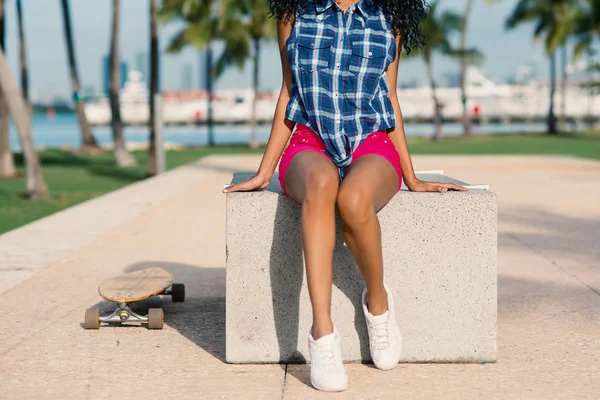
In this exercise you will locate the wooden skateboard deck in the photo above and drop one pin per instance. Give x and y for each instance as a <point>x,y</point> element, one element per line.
<point>135,286</point>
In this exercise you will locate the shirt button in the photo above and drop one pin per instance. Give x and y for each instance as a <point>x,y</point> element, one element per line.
<point>370,53</point>
<point>320,17</point>
<point>335,94</point>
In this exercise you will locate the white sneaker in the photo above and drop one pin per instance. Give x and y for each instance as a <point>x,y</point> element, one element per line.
<point>385,341</point>
<point>327,371</point>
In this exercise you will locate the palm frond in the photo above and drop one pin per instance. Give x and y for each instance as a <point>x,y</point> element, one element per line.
<point>451,21</point>
<point>235,53</point>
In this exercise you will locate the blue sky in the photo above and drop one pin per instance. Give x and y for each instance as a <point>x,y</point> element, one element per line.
<point>504,51</point>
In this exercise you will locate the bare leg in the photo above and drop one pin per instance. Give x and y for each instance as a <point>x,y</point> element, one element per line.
<point>369,184</point>
<point>312,180</point>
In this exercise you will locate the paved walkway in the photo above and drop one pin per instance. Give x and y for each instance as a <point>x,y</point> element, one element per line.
<point>549,294</point>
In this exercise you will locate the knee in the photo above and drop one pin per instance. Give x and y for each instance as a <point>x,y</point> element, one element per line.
<point>354,206</point>
<point>321,187</point>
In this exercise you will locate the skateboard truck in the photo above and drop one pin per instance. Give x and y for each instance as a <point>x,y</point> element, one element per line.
<point>124,313</point>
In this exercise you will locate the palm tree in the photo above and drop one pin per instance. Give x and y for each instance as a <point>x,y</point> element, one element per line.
<point>36,186</point>
<point>23,55</point>
<point>88,140</point>
<point>436,29</point>
<point>244,25</point>
<point>154,65</point>
<point>563,88</point>
<point>7,164</point>
<point>566,12</point>
<point>551,25</point>
<point>586,25</point>
<point>241,25</point>
<point>586,28</point>
<point>122,156</point>
<point>200,18</point>
<point>463,68</point>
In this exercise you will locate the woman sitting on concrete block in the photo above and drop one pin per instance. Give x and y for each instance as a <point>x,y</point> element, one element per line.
<point>348,150</point>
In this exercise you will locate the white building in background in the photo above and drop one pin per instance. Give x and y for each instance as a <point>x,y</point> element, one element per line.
<point>494,101</point>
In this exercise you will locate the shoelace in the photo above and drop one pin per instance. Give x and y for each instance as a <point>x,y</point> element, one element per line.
<point>379,336</point>
<point>327,357</point>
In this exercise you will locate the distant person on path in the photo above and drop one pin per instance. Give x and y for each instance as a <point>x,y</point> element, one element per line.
<point>348,150</point>
<point>476,113</point>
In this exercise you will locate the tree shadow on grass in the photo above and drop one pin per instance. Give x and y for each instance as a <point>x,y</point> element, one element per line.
<point>101,165</point>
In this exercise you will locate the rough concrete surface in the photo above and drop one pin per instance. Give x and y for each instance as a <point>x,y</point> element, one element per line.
<point>440,262</point>
<point>548,300</point>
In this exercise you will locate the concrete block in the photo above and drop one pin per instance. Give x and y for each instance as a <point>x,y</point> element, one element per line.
<point>440,261</point>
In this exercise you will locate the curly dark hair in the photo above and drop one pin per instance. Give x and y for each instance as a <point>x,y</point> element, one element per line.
<point>405,16</point>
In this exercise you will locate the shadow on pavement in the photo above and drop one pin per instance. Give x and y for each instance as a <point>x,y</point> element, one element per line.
<point>201,318</point>
<point>553,231</point>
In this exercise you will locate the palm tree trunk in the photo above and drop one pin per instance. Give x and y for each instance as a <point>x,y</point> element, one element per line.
<point>122,156</point>
<point>36,187</point>
<point>563,89</point>
<point>88,140</point>
<point>463,69</point>
<point>153,85</point>
<point>436,111</point>
<point>552,84</point>
<point>253,121</point>
<point>23,56</point>
<point>7,163</point>
<point>209,90</point>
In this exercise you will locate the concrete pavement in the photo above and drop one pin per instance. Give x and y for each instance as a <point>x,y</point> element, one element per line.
<point>549,294</point>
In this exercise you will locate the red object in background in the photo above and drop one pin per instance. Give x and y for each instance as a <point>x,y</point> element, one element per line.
<point>476,110</point>
<point>183,95</point>
<point>197,115</point>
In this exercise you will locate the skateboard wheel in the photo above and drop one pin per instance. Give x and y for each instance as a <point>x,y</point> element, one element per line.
<point>178,292</point>
<point>156,318</point>
<point>92,318</point>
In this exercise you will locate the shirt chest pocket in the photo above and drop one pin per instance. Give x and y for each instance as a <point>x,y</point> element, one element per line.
<point>367,60</point>
<point>314,53</point>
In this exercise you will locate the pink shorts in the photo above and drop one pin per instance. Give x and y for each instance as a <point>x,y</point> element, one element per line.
<point>305,138</point>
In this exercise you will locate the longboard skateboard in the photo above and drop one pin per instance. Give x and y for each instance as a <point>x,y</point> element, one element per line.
<point>132,287</point>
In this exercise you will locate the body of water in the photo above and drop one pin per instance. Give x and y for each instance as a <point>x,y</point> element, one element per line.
<point>63,130</point>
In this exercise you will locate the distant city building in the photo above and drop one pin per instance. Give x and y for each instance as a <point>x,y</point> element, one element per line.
<point>450,79</point>
<point>106,74</point>
<point>524,74</point>
<point>89,91</point>
<point>186,77</point>
<point>408,84</point>
<point>141,64</point>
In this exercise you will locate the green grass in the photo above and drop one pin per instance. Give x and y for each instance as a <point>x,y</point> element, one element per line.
<point>585,145</point>
<point>74,178</point>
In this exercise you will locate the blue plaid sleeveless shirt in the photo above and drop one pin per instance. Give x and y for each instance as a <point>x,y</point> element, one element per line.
<point>338,61</point>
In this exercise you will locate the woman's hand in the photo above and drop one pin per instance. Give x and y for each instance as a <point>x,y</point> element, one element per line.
<point>421,186</point>
<point>258,182</point>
